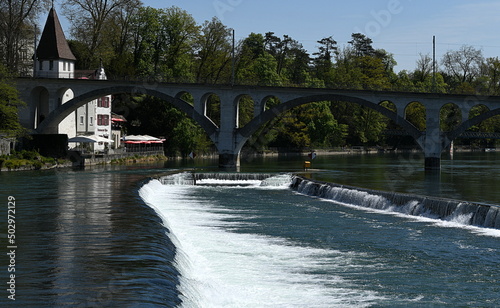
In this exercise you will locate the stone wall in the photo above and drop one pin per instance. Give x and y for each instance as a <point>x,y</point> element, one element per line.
<point>5,146</point>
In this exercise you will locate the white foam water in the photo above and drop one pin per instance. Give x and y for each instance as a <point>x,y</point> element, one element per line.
<point>220,268</point>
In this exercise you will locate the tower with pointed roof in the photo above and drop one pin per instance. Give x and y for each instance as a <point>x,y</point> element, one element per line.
<point>54,58</point>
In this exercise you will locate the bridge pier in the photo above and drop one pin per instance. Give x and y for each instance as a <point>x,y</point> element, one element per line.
<point>434,140</point>
<point>432,163</point>
<point>229,162</point>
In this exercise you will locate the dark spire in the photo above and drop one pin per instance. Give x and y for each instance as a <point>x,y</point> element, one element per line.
<point>53,44</point>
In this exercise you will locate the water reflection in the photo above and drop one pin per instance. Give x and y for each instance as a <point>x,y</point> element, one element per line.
<point>86,239</point>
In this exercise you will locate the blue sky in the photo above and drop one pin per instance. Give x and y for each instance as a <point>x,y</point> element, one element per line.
<point>402,27</point>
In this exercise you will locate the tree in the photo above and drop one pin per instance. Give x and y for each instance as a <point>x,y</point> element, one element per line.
<point>416,114</point>
<point>323,62</point>
<point>450,117</point>
<point>119,33</point>
<point>214,52</point>
<point>322,127</point>
<point>17,20</point>
<point>163,43</point>
<point>9,104</point>
<point>463,65</point>
<point>152,116</point>
<point>360,66</point>
<point>89,19</point>
<point>298,67</point>
<point>490,71</point>
<point>361,45</point>
<point>255,65</point>
<point>364,125</point>
<point>423,69</point>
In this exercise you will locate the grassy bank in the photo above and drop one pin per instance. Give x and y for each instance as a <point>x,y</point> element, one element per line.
<point>27,160</point>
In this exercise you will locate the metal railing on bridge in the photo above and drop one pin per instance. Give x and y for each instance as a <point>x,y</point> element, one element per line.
<point>467,134</point>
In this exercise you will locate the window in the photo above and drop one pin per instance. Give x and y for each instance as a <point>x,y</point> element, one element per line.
<point>40,65</point>
<point>103,102</point>
<point>81,120</point>
<point>91,121</point>
<point>64,65</point>
<point>51,65</point>
<point>103,119</point>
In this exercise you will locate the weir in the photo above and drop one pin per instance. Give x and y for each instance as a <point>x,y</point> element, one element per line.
<point>468,213</point>
<point>463,212</point>
<point>195,178</point>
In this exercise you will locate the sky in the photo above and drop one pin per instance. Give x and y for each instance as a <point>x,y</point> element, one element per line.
<point>404,28</point>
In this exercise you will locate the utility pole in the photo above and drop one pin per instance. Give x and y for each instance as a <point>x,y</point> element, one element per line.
<point>434,64</point>
<point>233,63</point>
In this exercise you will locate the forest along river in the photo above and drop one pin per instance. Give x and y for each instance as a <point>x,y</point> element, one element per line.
<point>116,237</point>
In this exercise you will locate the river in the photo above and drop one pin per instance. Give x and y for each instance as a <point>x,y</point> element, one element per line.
<point>118,237</point>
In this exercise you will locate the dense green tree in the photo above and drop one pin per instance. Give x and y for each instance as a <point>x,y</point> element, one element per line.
<point>403,82</point>
<point>415,113</point>
<point>365,126</point>
<point>361,45</point>
<point>255,64</point>
<point>245,110</point>
<point>322,128</point>
<point>119,32</point>
<point>450,117</point>
<point>152,116</point>
<point>163,43</point>
<point>490,76</point>
<point>279,49</point>
<point>323,63</point>
<point>261,70</point>
<point>214,53</point>
<point>9,104</point>
<point>213,109</point>
<point>187,137</point>
<point>270,60</point>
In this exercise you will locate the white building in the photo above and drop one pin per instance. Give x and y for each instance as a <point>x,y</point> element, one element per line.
<point>54,59</point>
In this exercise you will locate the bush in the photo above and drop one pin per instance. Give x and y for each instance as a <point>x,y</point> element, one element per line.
<point>29,155</point>
<point>38,165</point>
<point>12,164</point>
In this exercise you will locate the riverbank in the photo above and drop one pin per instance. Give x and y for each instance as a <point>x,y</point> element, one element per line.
<point>27,161</point>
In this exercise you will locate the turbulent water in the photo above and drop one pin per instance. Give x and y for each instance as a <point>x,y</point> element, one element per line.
<point>137,237</point>
<point>257,244</point>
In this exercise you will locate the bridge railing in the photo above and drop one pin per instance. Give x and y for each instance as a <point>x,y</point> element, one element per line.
<point>466,134</point>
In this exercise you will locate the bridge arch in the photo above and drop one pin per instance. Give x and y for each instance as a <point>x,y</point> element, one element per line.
<point>450,116</point>
<point>471,122</point>
<point>415,111</point>
<point>245,106</point>
<point>388,104</point>
<point>206,99</point>
<point>476,110</point>
<point>277,110</point>
<point>50,123</point>
<point>185,96</point>
<point>41,109</point>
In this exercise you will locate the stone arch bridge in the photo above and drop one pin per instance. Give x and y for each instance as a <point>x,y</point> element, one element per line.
<point>44,97</point>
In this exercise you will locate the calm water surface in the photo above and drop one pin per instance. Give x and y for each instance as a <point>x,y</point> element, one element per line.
<point>114,237</point>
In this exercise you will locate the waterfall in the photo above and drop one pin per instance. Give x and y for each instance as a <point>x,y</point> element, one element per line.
<point>226,178</point>
<point>468,213</point>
